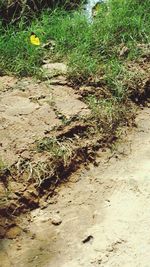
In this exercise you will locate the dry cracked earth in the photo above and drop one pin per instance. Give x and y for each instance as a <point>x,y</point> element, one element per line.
<point>100,217</point>
<point>27,104</point>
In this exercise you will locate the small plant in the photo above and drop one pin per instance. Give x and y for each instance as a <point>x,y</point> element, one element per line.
<point>58,150</point>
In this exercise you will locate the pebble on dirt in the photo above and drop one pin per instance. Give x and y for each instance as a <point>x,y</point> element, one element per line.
<point>56,219</point>
<point>87,239</point>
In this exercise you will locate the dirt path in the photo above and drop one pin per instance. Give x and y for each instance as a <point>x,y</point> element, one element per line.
<point>104,212</point>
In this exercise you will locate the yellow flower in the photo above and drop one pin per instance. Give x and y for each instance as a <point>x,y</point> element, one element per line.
<point>34,39</point>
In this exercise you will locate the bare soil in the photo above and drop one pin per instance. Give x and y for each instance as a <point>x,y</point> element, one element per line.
<point>30,109</point>
<point>103,213</point>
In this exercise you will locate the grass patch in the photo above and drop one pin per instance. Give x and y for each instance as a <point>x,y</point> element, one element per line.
<point>106,115</point>
<point>87,47</point>
<point>57,149</point>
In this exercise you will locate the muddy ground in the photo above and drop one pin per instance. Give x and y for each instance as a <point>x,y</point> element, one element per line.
<point>99,218</point>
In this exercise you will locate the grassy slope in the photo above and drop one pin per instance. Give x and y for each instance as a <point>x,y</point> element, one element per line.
<point>88,48</point>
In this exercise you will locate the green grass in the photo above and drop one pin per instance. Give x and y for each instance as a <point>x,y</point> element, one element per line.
<point>59,152</point>
<point>106,114</point>
<point>88,48</point>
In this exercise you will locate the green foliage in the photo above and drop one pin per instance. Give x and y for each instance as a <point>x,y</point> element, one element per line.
<point>17,54</point>
<point>88,48</point>
<point>57,150</point>
<point>106,114</point>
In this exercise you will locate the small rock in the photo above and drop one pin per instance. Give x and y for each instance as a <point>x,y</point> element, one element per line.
<point>87,239</point>
<point>43,204</point>
<point>54,69</point>
<point>110,249</point>
<point>19,247</point>
<point>52,201</point>
<point>50,44</point>
<point>56,219</point>
<point>33,236</point>
<point>124,51</point>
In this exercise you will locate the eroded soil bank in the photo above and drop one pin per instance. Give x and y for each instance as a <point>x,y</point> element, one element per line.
<point>50,127</point>
<point>31,110</point>
<point>102,212</point>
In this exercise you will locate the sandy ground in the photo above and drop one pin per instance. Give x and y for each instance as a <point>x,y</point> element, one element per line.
<point>104,211</point>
